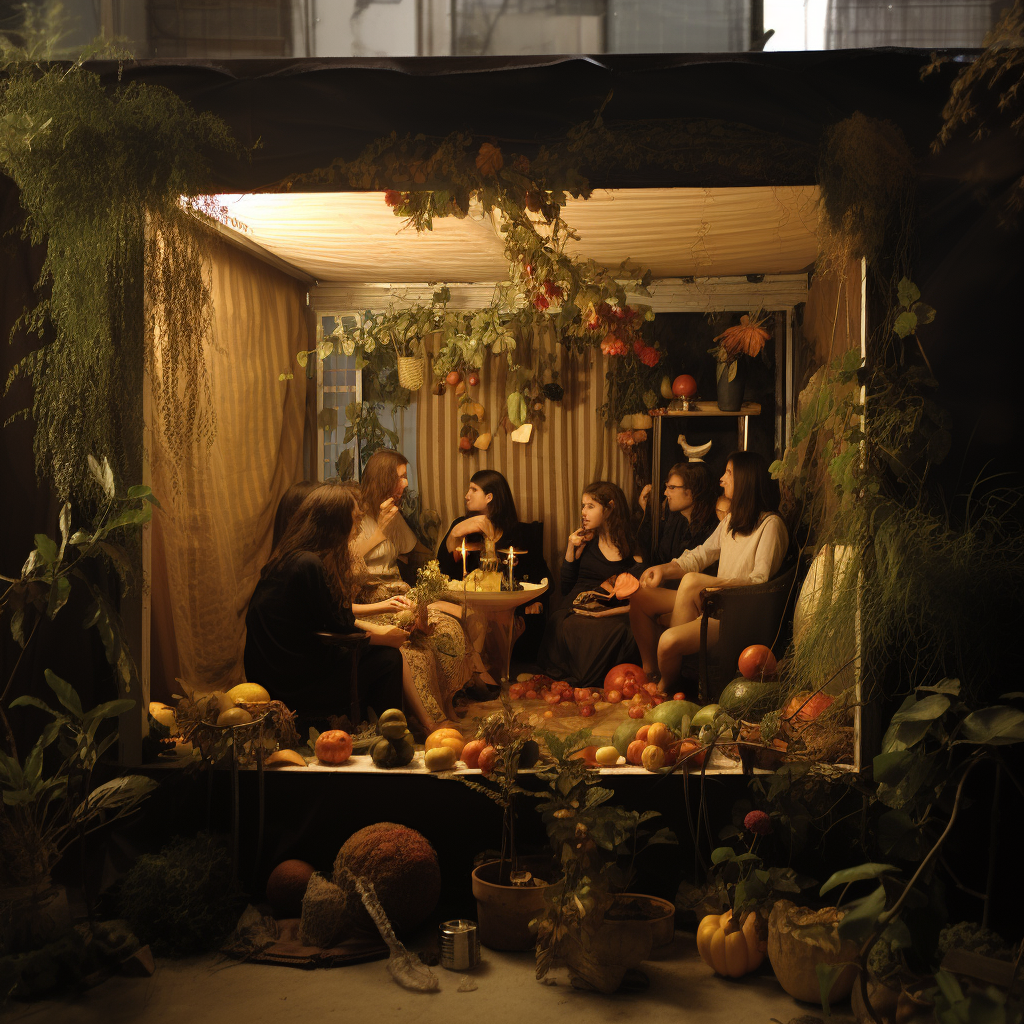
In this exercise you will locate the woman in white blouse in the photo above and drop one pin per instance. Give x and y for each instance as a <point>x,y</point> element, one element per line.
<point>749,546</point>
<point>384,535</point>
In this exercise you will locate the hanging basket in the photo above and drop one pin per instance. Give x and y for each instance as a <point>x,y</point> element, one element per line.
<point>410,372</point>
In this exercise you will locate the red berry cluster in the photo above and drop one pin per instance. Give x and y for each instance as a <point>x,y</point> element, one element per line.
<point>556,691</point>
<point>621,327</point>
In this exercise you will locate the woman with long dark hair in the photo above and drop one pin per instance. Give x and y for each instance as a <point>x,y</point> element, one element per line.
<point>575,646</point>
<point>306,588</point>
<point>289,505</point>
<point>749,545</point>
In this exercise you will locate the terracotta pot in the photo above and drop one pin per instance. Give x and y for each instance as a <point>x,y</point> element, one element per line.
<point>600,956</point>
<point>32,916</point>
<point>504,912</point>
<point>798,940</point>
<point>658,914</point>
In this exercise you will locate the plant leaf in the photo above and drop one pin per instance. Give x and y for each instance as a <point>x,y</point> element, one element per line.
<point>890,768</point>
<point>906,323</point>
<point>59,594</point>
<point>907,292</point>
<point>862,916</point>
<point>723,853</point>
<point>856,874</point>
<point>65,693</point>
<point>47,548</point>
<point>927,709</point>
<point>110,709</point>
<point>827,974</point>
<point>115,795</point>
<point>995,726</point>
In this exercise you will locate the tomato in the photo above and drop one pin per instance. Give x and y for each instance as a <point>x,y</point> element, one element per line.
<point>567,697</point>
<point>679,696</point>
<point>612,696</point>
<point>618,675</point>
<point>636,711</point>
<point>581,694</point>
<point>560,686</point>
<point>530,695</point>
<point>587,710</point>
<point>756,662</point>
<point>658,698</point>
<point>651,688</point>
<point>486,758</point>
<point>628,688</point>
<point>586,755</point>
<point>453,378</point>
<point>471,752</point>
<point>641,733</point>
<point>516,691</point>
<point>672,752</point>
<point>333,746</point>
<point>552,697</point>
<point>684,386</point>
<point>635,751</point>
<point>659,735</point>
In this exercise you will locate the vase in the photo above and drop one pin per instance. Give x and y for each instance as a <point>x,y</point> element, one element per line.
<point>730,392</point>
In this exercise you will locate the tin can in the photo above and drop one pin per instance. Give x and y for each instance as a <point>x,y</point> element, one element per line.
<point>460,945</point>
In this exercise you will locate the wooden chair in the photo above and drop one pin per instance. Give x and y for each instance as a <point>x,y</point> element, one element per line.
<point>746,615</point>
<point>354,644</point>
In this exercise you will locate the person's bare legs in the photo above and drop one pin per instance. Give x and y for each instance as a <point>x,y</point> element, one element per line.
<point>412,699</point>
<point>645,605</point>
<point>676,643</point>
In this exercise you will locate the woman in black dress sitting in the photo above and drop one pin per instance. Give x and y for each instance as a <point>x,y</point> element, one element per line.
<point>575,646</point>
<point>304,589</point>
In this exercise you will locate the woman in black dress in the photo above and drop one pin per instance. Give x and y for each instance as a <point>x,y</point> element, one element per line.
<point>578,647</point>
<point>304,589</point>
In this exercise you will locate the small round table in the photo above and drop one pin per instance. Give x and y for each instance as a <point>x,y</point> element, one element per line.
<point>497,610</point>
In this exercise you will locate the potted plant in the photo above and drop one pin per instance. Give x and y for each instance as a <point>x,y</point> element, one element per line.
<point>748,337</point>
<point>508,889</point>
<point>589,923</point>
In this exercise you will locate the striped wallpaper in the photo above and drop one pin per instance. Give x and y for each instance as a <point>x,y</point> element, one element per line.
<point>570,448</point>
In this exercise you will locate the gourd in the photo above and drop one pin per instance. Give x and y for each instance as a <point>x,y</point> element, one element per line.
<point>451,738</point>
<point>730,948</point>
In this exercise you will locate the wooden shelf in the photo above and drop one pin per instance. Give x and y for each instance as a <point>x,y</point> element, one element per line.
<point>711,409</point>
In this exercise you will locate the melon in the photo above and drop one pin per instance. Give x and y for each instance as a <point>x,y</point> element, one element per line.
<point>626,733</point>
<point>287,885</point>
<point>249,693</point>
<point>672,713</point>
<point>750,698</point>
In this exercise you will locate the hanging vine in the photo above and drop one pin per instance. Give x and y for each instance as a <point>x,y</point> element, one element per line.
<point>101,172</point>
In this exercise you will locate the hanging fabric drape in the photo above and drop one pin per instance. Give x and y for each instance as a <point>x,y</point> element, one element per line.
<point>570,448</point>
<point>214,531</point>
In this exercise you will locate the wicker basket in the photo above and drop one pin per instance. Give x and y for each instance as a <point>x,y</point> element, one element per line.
<point>411,372</point>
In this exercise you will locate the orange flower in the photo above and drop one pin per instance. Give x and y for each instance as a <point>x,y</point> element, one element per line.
<point>746,337</point>
<point>489,160</point>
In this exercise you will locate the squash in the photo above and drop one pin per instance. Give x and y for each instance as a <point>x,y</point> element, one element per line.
<point>672,713</point>
<point>730,948</point>
<point>751,698</point>
<point>451,738</point>
<point>625,734</point>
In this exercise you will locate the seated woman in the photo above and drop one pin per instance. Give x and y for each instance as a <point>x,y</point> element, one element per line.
<point>289,505</point>
<point>688,517</point>
<point>385,536</point>
<point>749,545</point>
<point>306,588</point>
<point>435,663</point>
<point>575,646</point>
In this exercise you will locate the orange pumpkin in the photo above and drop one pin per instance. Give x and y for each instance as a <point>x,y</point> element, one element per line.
<point>729,947</point>
<point>451,738</point>
<point>333,746</point>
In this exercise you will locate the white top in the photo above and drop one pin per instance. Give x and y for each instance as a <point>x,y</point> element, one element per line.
<point>755,558</point>
<point>380,560</point>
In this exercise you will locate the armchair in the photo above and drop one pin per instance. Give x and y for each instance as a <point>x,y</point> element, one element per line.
<point>354,644</point>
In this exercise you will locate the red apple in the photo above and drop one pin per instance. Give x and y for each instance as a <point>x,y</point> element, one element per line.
<point>453,378</point>
<point>473,379</point>
<point>756,662</point>
<point>684,386</point>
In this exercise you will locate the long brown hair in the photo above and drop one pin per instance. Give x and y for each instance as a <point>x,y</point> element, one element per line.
<point>322,525</point>
<point>502,507</point>
<point>697,479</point>
<point>610,497</point>
<point>380,479</point>
<point>289,505</point>
<point>753,492</point>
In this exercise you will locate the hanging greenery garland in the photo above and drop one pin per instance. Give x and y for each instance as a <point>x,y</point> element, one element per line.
<point>101,173</point>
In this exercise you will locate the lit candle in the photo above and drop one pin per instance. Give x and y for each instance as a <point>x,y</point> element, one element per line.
<point>511,562</point>
<point>463,563</point>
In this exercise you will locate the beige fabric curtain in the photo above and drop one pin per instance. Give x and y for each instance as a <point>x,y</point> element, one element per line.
<point>571,448</point>
<point>214,533</point>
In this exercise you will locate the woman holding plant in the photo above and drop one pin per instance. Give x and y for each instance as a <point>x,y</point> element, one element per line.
<point>749,545</point>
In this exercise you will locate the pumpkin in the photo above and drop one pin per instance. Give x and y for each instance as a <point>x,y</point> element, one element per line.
<point>730,948</point>
<point>333,746</point>
<point>451,738</point>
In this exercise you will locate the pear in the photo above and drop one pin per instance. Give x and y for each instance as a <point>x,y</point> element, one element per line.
<point>666,388</point>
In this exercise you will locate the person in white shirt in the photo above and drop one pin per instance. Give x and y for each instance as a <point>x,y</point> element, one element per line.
<point>749,545</point>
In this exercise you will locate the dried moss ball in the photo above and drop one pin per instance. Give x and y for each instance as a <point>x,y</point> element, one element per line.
<point>287,885</point>
<point>401,865</point>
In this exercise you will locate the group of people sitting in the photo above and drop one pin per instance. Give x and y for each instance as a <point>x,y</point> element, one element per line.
<point>334,569</point>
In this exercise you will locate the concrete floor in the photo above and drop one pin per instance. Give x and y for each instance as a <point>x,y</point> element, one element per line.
<point>206,990</point>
